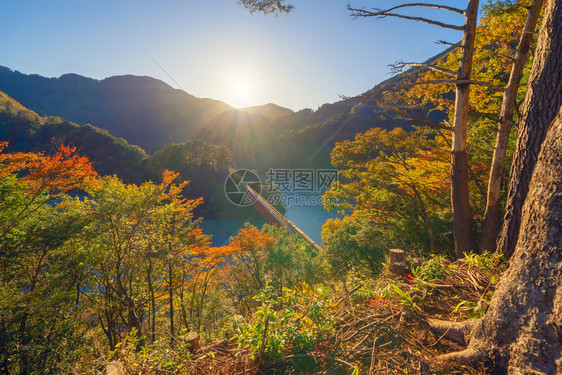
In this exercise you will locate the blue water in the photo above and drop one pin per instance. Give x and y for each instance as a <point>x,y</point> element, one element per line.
<point>222,230</point>
<point>309,218</point>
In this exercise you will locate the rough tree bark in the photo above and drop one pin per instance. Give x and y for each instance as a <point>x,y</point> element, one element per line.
<point>543,100</point>
<point>522,329</point>
<point>492,216</point>
<point>462,216</point>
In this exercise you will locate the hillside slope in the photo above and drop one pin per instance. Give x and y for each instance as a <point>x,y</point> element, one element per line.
<point>149,113</point>
<point>145,111</point>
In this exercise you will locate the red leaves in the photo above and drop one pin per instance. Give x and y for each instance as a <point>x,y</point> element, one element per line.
<point>410,278</point>
<point>45,174</point>
<point>377,301</point>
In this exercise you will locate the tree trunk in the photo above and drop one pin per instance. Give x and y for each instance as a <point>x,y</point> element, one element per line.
<point>543,100</point>
<point>492,215</point>
<point>24,345</point>
<point>171,300</point>
<point>520,333</point>
<point>522,328</point>
<point>462,216</point>
<point>152,312</point>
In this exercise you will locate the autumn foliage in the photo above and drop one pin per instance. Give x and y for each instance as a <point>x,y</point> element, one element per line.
<point>53,174</point>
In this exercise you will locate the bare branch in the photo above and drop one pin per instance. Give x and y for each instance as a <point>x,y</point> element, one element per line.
<point>449,44</point>
<point>512,59</point>
<point>405,114</point>
<point>460,82</point>
<point>435,6</point>
<point>384,13</point>
<point>477,183</point>
<point>491,148</point>
<point>399,66</point>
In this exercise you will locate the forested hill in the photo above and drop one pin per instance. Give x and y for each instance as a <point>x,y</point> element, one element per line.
<point>204,164</point>
<point>145,111</point>
<point>149,113</point>
<point>26,131</point>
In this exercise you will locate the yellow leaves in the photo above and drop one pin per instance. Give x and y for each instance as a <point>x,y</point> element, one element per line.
<point>168,177</point>
<point>497,37</point>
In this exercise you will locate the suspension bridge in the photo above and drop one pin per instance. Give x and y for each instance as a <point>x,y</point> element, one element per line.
<point>274,217</point>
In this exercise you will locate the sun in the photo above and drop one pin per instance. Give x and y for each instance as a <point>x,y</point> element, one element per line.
<point>240,89</point>
<point>241,85</point>
<point>240,92</point>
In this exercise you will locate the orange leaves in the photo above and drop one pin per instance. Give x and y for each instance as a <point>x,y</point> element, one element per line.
<point>250,239</point>
<point>53,175</point>
<point>173,193</point>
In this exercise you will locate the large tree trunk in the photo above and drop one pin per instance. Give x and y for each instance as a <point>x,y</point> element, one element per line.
<point>492,215</point>
<point>543,100</point>
<point>462,216</point>
<point>522,329</point>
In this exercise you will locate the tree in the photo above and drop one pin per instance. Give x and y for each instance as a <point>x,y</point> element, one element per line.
<point>141,234</point>
<point>41,261</point>
<point>266,6</point>
<point>501,65</point>
<point>247,252</point>
<point>395,184</point>
<point>462,216</point>
<point>539,109</point>
<point>520,332</point>
<point>492,214</point>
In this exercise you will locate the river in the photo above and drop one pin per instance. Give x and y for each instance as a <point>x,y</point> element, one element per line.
<point>309,218</point>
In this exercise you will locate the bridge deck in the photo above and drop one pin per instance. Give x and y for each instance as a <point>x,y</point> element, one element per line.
<point>272,216</point>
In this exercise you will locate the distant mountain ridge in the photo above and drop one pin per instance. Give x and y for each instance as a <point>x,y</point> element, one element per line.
<point>149,113</point>
<point>145,111</point>
<point>269,110</point>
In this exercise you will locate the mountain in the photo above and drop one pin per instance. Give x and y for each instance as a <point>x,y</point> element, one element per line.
<point>145,111</point>
<point>149,113</point>
<point>25,130</point>
<point>205,164</point>
<point>269,110</point>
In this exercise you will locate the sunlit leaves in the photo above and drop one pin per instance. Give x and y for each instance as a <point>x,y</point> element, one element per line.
<point>391,182</point>
<point>497,38</point>
<point>53,174</point>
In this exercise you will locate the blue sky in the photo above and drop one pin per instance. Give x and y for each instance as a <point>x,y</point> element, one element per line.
<point>216,49</point>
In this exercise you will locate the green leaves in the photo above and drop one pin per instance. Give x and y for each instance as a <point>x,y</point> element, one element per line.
<point>291,323</point>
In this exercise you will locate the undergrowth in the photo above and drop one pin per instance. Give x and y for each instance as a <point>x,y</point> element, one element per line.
<point>352,326</point>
